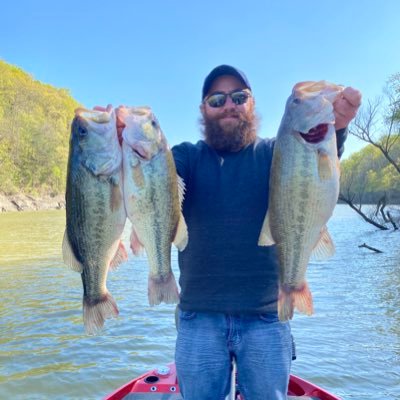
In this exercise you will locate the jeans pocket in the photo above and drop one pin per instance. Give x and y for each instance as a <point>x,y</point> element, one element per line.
<point>269,317</point>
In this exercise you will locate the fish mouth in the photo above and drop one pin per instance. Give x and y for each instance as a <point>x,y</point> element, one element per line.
<point>99,117</point>
<point>316,134</point>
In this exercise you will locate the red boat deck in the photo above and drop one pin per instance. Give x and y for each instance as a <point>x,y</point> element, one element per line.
<point>161,384</point>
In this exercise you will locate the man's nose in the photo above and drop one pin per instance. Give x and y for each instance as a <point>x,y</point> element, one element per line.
<point>229,103</point>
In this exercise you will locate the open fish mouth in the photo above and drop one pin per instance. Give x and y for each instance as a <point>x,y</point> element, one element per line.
<point>316,134</point>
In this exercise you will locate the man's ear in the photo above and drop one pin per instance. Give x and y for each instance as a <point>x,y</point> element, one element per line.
<point>202,108</point>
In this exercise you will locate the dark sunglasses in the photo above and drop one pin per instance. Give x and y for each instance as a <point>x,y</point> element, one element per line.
<point>238,97</point>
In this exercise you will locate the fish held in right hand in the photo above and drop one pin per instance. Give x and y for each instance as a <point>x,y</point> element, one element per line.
<point>303,191</point>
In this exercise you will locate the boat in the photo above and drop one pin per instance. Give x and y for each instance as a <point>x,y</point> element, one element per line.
<point>161,384</point>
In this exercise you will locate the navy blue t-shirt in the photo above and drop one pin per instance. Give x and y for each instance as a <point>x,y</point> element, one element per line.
<point>222,268</point>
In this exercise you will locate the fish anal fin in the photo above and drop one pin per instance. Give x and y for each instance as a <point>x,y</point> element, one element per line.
<point>136,245</point>
<point>181,236</point>
<point>325,167</point>
<point>120,257</point>
<point>266,238</point>
<point>69,256</point>
<point>324,247</point>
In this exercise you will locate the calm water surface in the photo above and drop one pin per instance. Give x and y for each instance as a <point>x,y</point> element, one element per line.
<point>351,346</point>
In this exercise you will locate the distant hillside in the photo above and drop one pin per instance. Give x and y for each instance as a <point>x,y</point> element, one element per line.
<point>35,123</point>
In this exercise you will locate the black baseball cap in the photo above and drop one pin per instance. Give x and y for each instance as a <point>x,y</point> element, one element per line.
<point>223,70</point>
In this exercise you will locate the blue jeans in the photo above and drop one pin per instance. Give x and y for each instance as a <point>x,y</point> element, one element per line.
<point>207,343</point>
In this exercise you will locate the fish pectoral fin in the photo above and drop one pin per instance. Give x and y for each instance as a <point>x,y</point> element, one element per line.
<point>116,197</point>
<point>181,190</point>
<point>136,245</point>
<point>325,167</point>
<point>181,236</point>
<point>266,238</point>
<point>69,256</point>
<point>324,248</point>
<point>120,257</point>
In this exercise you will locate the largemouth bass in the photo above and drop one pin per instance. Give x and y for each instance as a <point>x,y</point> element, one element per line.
<point>303,191</point>
<point>95,212</point>
<point>153,194</point>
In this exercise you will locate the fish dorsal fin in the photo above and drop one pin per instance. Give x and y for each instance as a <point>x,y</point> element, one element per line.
<point>181,190</point>
<point>266,238</point>
<point>120,257</point>
<point>69,256</point>
<point>324,248</point>
<point>181,236</point>
<point>325,167</point>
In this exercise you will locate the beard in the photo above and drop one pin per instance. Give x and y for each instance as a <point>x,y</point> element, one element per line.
<point>230,137</point>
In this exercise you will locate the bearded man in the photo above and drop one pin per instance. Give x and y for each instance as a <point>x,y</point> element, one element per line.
<point>229,284</point>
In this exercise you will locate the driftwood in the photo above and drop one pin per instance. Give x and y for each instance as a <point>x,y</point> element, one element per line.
<point>385,214</point>
<point>371,248</point>
<point>391,221</point>
<point>358,211</point>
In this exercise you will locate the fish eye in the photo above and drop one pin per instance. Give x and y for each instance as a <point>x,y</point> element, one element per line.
<point>296,100</point>
<point>154,123</point>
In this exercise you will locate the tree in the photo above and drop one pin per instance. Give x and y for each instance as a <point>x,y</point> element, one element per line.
<point>34,133</point>
<point>376,168</point>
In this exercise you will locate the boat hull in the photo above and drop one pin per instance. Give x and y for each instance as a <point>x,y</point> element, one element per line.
<point>162,384</point>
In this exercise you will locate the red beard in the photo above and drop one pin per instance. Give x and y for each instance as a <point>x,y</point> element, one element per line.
<point>230,137</point>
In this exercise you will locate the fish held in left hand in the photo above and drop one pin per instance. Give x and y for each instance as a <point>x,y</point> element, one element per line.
<point>95,212</point>
<point>304,188</point>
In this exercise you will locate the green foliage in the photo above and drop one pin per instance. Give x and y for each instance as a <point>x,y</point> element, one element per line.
<point>369,172</point>
<point>34,133</point>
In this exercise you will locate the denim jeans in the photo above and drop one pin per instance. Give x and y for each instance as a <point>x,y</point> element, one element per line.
<point>208,342</point>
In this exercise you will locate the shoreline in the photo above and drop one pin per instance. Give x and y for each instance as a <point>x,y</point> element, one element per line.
<point>26,202</point>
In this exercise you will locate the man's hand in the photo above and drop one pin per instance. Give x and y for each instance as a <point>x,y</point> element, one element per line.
<point>120,122</point>
<point>345,107</point>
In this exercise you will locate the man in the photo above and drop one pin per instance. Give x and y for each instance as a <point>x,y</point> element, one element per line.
<point>229,284</point>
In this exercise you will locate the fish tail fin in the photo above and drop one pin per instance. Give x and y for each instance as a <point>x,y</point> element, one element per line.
<point>289,299</point>
<point>163,290</point>
<point>95,312</point>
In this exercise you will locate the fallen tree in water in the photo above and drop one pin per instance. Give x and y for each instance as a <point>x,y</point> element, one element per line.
<point>371,248</point>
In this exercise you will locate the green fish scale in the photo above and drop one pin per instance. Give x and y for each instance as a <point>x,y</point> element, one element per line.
<point>155,213</point>
<point>296,203</point>
<point>93,228</point>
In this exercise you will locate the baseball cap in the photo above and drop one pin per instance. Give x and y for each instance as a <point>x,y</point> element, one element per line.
<point>223,70</point>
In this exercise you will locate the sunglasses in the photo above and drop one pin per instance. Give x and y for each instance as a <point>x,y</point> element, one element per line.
<point>238,97</point>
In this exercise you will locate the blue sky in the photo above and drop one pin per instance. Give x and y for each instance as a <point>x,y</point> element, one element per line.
<point>158,53</point>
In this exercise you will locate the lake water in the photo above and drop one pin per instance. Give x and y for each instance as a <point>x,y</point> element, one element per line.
<point>351,346</point>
